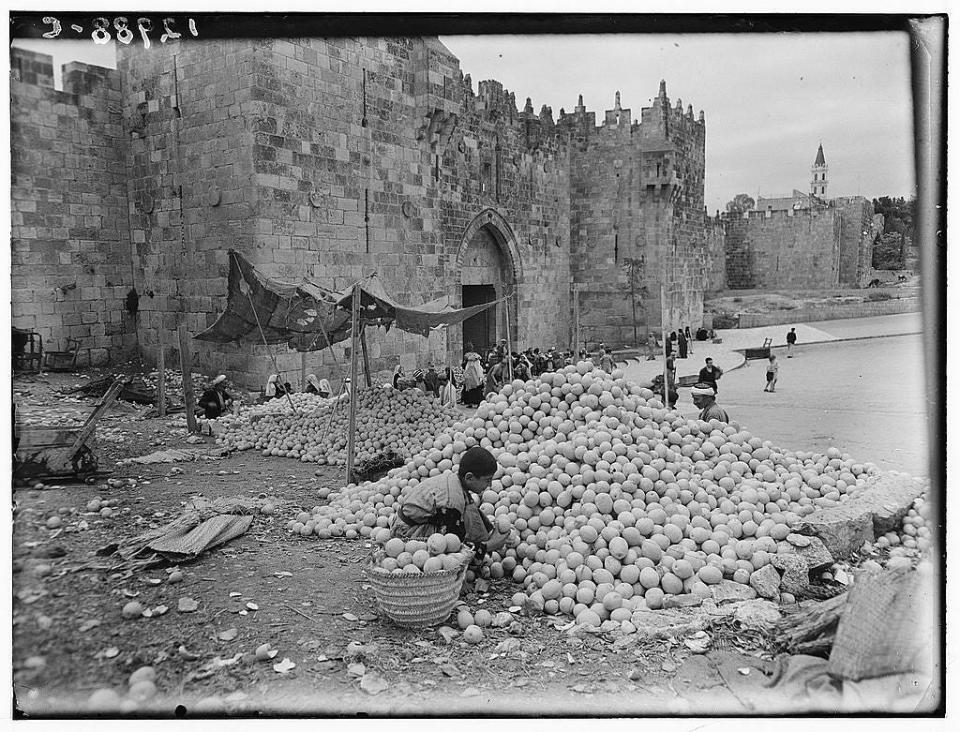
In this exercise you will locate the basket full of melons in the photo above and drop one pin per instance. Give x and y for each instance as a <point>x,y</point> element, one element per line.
<point>417,581</point>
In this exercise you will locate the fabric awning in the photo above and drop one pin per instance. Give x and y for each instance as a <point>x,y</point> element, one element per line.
<point>378,308</point>
<point>307,316</point>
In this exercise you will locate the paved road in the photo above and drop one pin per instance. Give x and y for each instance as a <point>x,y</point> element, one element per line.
<point>866,397</point>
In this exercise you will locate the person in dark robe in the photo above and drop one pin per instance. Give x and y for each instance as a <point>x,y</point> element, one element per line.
<point>431,380</point>
<point>214,400</point>
<point>682,343</point>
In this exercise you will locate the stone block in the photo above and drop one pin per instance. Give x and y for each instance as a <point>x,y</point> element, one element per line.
<point>730,591</point>
<point>671,602</point>
<point>810,548</point>
<point>766,581</point>
<point>878,509</point>
<point>794,573</point>
<point>843,529</point>
<point>758,614</point>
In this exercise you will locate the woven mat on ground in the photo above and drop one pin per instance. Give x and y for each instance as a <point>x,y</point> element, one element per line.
<point>174,455</point>
<point>204,524</point>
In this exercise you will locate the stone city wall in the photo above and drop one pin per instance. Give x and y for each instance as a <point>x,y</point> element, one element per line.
<point>70,246</point>
<point>331,159</point>
<point>783,249</point>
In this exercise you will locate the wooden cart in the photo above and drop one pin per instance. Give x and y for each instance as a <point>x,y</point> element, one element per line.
<point>755,354</point>
<point>62,452</point>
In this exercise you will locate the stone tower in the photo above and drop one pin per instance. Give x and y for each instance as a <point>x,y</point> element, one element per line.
<point>818,179</point>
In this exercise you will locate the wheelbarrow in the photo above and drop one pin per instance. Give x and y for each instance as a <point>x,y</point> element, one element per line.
<point>62,452</point>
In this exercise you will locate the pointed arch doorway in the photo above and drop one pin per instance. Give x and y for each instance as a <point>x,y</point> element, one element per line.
<point>489,267</point>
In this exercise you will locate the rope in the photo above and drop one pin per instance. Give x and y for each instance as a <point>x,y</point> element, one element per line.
<point>273,358</point>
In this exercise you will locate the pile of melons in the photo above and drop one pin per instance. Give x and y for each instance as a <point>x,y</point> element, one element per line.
<point>417,556</point>
<point>388,421</point>
<point>615,501</point>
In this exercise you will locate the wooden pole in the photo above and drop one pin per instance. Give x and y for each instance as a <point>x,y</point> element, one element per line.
<point>355,338</point>
<point>186,363</point>
<point>366,357</point>
<point>303,370</point>
<point>506,313</point>
<point>576,321</point>
<point>663,328</point>
<point>161,380</point>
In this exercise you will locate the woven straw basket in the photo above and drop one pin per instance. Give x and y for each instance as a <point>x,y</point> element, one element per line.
<point>417,600</point>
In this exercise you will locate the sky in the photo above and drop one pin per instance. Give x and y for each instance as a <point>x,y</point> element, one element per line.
<point>769,100</point>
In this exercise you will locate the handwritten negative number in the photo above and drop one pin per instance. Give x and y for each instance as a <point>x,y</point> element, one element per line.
<point>168,32</point>
<point>49,20</point>
<point>124,34</point>
<point>100,35</point>
<point>145,25</point>
<point>101,29</point>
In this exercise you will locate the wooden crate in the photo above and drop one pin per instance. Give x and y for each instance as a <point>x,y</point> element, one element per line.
<point>34,438</point>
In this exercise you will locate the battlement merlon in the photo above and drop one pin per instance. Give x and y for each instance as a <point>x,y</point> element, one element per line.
<point>755,215</point>
<point>79,79</point>
<point>29,67</point>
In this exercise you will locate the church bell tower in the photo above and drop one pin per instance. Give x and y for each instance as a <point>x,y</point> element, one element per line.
<point>818,180</point>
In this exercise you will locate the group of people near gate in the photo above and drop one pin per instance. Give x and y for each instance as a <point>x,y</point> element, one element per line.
<point>215,401</point>
<point>442,384</point>
<point>480,374</point>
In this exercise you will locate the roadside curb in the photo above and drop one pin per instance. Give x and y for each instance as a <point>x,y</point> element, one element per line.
<point>781,348</point>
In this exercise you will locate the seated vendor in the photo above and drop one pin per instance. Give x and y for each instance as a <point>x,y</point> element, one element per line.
<point>320,387</point>
<point>272,389</point>
<point>214,401</point>
<point>447,503</point>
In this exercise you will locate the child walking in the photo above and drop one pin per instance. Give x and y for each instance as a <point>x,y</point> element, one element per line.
<point>772,369</point>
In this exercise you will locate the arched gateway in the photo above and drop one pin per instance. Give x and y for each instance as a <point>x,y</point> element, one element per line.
<point>488,267</point>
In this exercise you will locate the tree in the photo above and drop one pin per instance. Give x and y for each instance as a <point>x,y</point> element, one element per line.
<point>634,269</point>
<point>888,248</point>
<point>888,251</point>
<point>741,203</point>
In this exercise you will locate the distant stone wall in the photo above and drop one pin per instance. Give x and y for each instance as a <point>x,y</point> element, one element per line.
<point>783,249</point>
<point>70,245</point>
<point>858,229</point>
<point>830,312</point>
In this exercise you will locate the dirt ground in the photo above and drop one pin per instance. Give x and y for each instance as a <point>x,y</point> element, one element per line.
<point>309,600</point>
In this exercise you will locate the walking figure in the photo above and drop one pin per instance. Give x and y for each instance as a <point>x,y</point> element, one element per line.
<point>710,374</point>
<point>791,341</point>
<point>772,369</point>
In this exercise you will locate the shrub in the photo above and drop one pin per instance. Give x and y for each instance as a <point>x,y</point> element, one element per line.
<point>722,321</point>
<point>878,296</point>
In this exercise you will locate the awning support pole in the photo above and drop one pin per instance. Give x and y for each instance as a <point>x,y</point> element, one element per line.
<point>663,328</point>
<point>506,312</point>
<point>355,338</point>
<point>366,357</point>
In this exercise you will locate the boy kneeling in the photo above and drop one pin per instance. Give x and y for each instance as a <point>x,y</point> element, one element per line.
<point>447,503</point>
